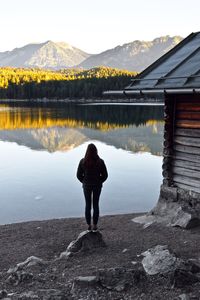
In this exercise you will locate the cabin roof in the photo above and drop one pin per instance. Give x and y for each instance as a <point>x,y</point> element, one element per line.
<point>177,70</point>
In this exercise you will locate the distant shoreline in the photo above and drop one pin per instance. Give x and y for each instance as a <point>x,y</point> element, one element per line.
<point>84,101</point>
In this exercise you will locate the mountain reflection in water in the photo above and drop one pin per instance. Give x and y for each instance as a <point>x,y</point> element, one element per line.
<point>41,145</point>
<point>56,127</point>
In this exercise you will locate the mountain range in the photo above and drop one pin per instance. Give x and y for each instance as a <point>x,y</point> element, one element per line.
<point>45,55</point>
<point>134,56</point>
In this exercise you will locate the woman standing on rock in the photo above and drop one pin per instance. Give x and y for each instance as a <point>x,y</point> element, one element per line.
<point>92,173</point>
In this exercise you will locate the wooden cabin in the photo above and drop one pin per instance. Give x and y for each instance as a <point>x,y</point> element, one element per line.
<point>176,76</point>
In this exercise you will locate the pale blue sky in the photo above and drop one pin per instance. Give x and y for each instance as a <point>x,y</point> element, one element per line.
<point>94,25</point>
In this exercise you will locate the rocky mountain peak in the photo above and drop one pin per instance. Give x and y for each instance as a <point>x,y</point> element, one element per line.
<point>133,56</point>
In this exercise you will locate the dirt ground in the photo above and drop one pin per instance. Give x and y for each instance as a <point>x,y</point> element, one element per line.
<point>47,239</point>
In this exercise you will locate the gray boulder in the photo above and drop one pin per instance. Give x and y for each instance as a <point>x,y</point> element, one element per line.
<point>186,273</point>
<point>175,207</point>
<point>86,240</point>
<point>120,279</point>
<point>158,260</point>
<point>19,277</point>
<point>29,262</point>
<point>84,282</point>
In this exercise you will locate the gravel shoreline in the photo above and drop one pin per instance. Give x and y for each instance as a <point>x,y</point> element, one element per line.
<point>48,239</point>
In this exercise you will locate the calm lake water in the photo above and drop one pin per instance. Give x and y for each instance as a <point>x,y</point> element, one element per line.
<point>41,145</point>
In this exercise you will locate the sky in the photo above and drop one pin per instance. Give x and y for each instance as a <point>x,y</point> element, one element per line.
<point>94,25</point>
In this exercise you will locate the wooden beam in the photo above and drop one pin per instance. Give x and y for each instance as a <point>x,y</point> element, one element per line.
<point>193,174</point>
<point>187,115</point>
<point>188,123</point>
<point>190,165</point>
<point>188,106</point>
<point>187,132</point>
<point>186,180</point>
<point>187,149</point>
<point>187,187</point>
<point>187,141</point>
<point>186,157</point>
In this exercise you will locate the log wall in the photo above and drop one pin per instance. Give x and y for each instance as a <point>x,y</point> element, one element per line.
<point>169,113</point>
<point>185,160</point>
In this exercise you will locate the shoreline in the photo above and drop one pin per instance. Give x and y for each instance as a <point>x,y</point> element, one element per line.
<point>78,218</point>
<point>125,242</point>
<point>83,101</point>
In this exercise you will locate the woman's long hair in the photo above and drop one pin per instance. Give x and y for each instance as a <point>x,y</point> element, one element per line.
<point>91,156</point>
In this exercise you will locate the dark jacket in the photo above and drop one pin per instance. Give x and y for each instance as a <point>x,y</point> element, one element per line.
<point>95,175</point>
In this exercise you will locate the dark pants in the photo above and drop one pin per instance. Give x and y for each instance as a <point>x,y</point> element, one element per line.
<point>92,194</point>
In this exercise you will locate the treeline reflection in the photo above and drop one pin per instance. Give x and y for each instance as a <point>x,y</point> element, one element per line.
<point>100,117</point>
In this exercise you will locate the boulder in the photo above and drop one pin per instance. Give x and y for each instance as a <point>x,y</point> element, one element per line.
<point>84,282</point>
<point>19,277</point>
<point>186,273</point>
<point>175,207</point>
<point>120,279</point>
<point>194,265</point>
<point>182,278</point>
<point>29,262</point>
<point>158,260</point>
<point>86,240</point>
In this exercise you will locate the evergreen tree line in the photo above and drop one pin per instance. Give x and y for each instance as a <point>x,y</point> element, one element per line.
<point>18,83</point>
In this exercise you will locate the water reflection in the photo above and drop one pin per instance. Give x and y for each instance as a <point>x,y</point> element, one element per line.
<point>40,148</point>
<point>61,128</point>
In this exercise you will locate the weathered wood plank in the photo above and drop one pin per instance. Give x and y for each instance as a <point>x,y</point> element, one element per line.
<point>187,187</point>
<point>187,132</point>
<point>187,141</point>
<point>186,157</point>
<point>193,174</point>
<point>188,115</point>
<point>188,106</point>
<point>187,124</point>
<point>187,149</point>
<point>190,165</point>
<point>186,180</point>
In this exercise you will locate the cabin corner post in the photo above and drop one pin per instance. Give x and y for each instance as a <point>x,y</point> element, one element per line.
<point>169,117</point>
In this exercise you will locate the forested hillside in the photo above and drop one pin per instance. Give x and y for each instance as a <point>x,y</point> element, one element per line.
<point>19,83</point>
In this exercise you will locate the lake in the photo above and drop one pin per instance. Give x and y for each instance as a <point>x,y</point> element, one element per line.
<point>41,145</point>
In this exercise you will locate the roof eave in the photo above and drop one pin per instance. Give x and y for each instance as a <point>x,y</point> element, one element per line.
<point>143,92</point>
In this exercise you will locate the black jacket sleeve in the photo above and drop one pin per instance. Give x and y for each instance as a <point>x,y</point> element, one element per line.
<point>104,172</point>
<point>80,172</point>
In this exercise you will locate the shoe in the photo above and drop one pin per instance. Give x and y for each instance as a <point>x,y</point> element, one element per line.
<point>89,228</point>
<point>94,229</point>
